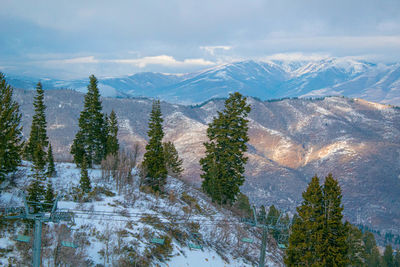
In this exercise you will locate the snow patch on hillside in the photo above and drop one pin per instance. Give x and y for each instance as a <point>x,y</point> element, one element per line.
<point>140,216</point>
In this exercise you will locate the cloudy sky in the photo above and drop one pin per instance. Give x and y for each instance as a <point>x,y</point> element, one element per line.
<point>72,39</point>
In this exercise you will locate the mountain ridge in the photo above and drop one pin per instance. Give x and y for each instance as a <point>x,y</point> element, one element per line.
<point>290,141</point>
<point>376,82</point>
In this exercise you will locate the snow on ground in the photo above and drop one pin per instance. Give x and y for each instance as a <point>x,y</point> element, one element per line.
<point>115,225</point>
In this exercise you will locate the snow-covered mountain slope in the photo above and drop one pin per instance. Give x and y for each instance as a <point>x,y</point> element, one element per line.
<point>290,141</point>
<point>115,227</point>
<point>262,79</point>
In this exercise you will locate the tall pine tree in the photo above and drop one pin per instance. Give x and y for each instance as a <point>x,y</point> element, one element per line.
<point>319,237</point>
<point>38,140</point>
<point>224,163</point>
<point>335,247</point>
<point>10,131</point>
<point>306,237</point>
<point>154,161</point>
<point>112,139</point>
<point>91,139</point>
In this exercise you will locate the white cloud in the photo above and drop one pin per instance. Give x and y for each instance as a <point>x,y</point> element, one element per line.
<point>77,60</point>
<point>164,60</point>
<point>211,49</point>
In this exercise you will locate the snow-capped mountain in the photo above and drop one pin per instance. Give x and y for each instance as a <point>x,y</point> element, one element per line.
<point>261,79</point>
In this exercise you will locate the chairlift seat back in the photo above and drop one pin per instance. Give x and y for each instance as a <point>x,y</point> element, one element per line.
<point>23,238</point>
<point>157,241</point>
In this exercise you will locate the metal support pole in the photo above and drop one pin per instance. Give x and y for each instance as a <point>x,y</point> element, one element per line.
<point>37,243</point>
<point>263,247</point>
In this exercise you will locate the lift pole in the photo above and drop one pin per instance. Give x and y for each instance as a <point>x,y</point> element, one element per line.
<point>37,243</point>
<point>39,218</point>
<point>255,223</point>
<point>261,262</point>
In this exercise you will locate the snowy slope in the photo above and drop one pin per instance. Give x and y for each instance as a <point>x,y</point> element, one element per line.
<point>263,79</point>
<point>111,229</point>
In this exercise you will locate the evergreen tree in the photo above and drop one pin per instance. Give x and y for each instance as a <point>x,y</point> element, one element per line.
<point>387,259</point>
<point>355,246</point>
<point>91,139</point>
<point>172,160</point>
<point>224,163</point>
<point>334,231</point>
<point>51,168</point>
<point>112,139</point>
<point>154,161</point>
<point>85,180</point>
<point>38,136</point>
<point>372,257</point>
<point>307,230</point>
<point>10,131</point>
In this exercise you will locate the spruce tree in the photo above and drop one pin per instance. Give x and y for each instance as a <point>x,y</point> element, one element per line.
<point>154,161</point>
<point>51,168</point>
<point>224,163</point>
<point>334,247</point>
<point>112,139</point>
<point>85,180</point>
<point>10,131</point>
<point>307,230</point>
<point>319,237</point>
<point>172,160</point>
<point>91,139</point>
<point>38,136</point>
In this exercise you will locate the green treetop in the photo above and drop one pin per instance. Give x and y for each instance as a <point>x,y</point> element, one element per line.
<point>154,161</point>
<point>112,139</point>
<point>91,139</point>
<point>10,131</point>
<point>319,237</point>
<point>224,163</point>
<point>307,230</point>
<point>334,249</point>
<point>38,136</point>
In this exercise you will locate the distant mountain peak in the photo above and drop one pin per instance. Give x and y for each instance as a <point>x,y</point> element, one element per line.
<point>264,79</point>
